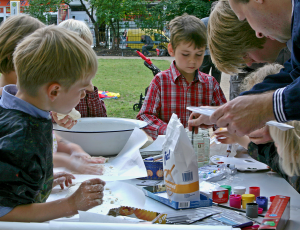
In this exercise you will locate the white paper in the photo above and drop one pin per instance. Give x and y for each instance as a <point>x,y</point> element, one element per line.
<point>128,163</point>
<point>209,111</point>
<point>156,145</point>
<point>127,194</point>
<point>99,218</point>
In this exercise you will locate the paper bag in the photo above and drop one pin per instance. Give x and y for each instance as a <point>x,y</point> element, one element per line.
<point>180,164</point>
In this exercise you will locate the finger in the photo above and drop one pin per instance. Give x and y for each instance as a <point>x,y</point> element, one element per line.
<point>94,188</point>
<point>58,181</point>
<point>206,126</point>
<point>94,171</point>
<point>95,195</point>
<point>214,118</point>
<point>94,181</point>
<point>96,160</point>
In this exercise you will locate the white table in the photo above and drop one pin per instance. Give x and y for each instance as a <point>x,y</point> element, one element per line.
<point>270,185</point>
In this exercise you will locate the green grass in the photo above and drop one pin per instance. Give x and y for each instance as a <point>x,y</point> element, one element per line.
<point>129,77</point>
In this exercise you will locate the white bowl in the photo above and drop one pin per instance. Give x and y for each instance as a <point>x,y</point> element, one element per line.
<point>100,136</point>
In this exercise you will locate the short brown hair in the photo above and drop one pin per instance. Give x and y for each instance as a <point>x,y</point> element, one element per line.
<point>229,39</point>
<point>12,31</point>
<point>53,55</point>
<point>80,28</point>
<point>188,29</point>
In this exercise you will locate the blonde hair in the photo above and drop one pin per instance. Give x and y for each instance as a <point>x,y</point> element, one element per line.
<point>55,55</point>
<point>259,75</point>
<point>229,39</point>
<point>80,28</point>
<point>288,147</point>
<point>187,29</point>
<point>12,31</point>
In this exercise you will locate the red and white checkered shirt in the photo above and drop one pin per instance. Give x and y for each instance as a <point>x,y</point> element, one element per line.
<point>91,105</point>
<point>169,92</point>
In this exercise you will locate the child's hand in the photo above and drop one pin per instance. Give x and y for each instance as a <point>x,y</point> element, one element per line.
<point>225,137</point>
<point>261,136</point>
<point>82,167</point>
<point>88,195</point>
<point>67,122</point>
<point>88,159</point>
<point>62,178</point>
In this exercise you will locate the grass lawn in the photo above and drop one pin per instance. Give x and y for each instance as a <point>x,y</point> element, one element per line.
<point>129,77</point>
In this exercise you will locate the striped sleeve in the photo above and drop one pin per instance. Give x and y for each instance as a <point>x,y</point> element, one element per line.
<point>278,108</point>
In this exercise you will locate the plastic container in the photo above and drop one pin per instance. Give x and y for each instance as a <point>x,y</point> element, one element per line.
<point>272,198</point>
<point>201,146</point>
<point>240,190</point>
<point>260,210</point>
<point>255,191</point>
<point>247,198</point>
<point>262,202</point>
<point>252,210</point>
<point>235,200</point>
<point>228,187</point>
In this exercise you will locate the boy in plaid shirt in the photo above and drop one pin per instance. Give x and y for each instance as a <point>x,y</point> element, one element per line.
<point>182,85</point>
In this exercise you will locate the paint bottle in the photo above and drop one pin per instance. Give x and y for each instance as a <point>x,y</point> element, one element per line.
<point>235,200</point>
<point>247,198</point>
<point>254,190</point>
<point>252,210</point>
<point>262,202</point>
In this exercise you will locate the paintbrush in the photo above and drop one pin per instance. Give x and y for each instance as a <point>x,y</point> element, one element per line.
<point>193,131</point>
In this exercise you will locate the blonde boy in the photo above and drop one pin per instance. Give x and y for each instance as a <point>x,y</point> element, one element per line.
<point>91,105</point>
<point>182,85</point>
<point>53,67</point>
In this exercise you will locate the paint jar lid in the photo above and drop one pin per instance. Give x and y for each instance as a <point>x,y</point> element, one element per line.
<point>239,189</point>
<point>248,197</point>
<point>272,198</point>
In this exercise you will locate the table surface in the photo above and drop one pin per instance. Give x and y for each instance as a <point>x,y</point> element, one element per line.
<point>270,185</point>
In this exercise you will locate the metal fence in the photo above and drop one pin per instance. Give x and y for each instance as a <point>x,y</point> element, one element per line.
<point>128,36</point>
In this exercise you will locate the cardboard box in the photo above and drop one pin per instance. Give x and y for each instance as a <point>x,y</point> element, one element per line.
<point>154,170</point>
<point>278,214</point>
<point>214,191</point>
<point>161,196</point>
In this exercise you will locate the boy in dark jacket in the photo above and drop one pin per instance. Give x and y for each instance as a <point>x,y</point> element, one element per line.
<point>48,80</point>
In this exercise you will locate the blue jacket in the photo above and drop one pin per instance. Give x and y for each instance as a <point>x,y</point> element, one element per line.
<point>286,99</point>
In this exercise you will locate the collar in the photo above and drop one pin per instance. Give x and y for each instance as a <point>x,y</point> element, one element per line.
<point>175,73</point>
<point>10,101</point>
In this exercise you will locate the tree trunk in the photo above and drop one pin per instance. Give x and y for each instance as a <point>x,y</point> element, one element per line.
<point>96,27</point>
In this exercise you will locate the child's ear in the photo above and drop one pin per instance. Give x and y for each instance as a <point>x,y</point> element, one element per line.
<point>171,50</point>
<point>53,91</point>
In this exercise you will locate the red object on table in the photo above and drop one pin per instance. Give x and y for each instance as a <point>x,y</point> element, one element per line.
<point>255,191</point>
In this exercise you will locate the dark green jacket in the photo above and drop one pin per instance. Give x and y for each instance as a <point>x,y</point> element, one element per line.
<point>26,163</point>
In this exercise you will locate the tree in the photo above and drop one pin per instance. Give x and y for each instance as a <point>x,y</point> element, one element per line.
<point>114,11</point>
<point>166,10</point>
<point>41,9</point>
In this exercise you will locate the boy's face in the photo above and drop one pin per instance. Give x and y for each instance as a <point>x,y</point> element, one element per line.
<point>268,53</point>
<point>188,59</point>
<point>68,99</point>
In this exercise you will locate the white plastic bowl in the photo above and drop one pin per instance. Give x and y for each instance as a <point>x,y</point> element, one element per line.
<point>100,136</point>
